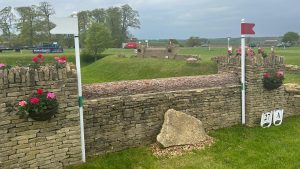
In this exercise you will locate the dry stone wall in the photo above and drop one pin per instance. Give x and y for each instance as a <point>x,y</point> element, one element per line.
<point>116,123</point>
<point>39,144</point>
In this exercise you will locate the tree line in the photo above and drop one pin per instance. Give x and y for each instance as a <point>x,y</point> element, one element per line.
<point>30,25</point>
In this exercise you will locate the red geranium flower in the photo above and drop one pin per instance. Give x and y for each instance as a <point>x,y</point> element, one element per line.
<point>39,91</point>
<point>267,75</point>
<point>35,59</point>
<point>63,58</point>
<point>34,100</point>
<point>39,56</point>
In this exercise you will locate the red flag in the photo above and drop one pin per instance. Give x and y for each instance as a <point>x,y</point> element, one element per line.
<point>247,28</point>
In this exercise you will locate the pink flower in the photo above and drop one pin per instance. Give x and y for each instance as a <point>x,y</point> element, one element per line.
<point>61,60</point>
<point>2,65</point>
<point>51,95</point>
<point>35,59</point>
<point>279,73</point>
<point>39,91</point>
<point>22,103</point>
<point>34,100</point>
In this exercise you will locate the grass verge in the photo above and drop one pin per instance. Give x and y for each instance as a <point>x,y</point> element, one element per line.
<point>237,147</point>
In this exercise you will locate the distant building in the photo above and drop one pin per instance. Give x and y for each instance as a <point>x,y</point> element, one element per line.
<point>269,43</point>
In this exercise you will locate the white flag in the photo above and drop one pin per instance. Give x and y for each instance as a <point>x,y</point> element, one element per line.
<point>64,25</point>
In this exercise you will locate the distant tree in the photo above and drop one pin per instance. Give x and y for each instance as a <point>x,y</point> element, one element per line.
<point>7,19</point>
<point>28,24</point>
<point>174,41</point>
<point>98,15</point>
<point>98,38</point>
<point>113,21</point>
<point>292,37</point>
<point>117,19</point>
<point>46,10</point>
<point>130,18</point>
<point>193,41</point>
<point>84,22</point>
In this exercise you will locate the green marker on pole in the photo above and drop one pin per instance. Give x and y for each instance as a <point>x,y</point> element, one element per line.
<point>80,101</point>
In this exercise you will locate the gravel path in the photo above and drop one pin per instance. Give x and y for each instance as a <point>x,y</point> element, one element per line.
<point>124,88</point>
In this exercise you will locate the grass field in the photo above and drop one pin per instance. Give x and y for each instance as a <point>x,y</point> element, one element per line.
<point>235,148</point>
<point>113,68</point>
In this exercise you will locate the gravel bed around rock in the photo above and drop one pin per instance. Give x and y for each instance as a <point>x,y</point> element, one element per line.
<point>179,150</point>
<point>124,88</point>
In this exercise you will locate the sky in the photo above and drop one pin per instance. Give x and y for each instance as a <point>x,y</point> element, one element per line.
<point>181,19</point>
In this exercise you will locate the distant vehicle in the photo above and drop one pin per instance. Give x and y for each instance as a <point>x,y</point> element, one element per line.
<point>5,48</point>
<point>204,45</point>
<point>131,45</point>
<point>282,44</point>
<point>48,48</point>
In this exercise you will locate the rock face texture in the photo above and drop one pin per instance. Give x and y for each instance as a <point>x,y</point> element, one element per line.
<point>181,129</point>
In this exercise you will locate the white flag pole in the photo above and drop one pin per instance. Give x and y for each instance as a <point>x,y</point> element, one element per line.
<point>80,100</point>
<point>243,76</point>
<point>70,26</point>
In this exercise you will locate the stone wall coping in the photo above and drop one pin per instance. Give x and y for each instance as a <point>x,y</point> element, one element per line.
<point>143,95</point>
<point>292,88</point>
<point>256,60</point>
<point>30,76</point>
<point>125,88</point>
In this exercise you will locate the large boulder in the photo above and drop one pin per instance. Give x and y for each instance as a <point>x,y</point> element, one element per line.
<point>181,129</point>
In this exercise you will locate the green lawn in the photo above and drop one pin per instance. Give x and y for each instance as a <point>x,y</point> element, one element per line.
<point>112,68</point>
<point>237,147</point>
<point>292,78</point>
<point>292,55</point>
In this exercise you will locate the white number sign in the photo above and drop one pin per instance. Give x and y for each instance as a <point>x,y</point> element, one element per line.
<point>275,116</point>
<point>266,120</point>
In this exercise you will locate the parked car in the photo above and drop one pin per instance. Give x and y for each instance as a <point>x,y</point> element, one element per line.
<point>131,45</point>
